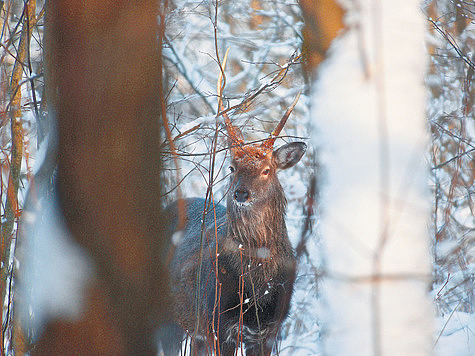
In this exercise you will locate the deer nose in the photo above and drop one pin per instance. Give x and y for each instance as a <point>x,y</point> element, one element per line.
<point>241,195</point>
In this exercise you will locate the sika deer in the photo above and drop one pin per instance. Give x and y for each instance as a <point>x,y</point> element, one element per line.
<point>232,276</point>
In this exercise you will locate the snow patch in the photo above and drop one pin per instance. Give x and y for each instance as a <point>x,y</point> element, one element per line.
<point>56,270</point>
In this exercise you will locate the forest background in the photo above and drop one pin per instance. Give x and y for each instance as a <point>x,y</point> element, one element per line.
<point>265,71</point>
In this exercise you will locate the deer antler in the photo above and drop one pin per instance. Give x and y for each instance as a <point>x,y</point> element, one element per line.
<point>234,134</point>
<point>269,143</point>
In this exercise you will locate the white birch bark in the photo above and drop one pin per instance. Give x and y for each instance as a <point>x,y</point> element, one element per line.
<point>368,110</point>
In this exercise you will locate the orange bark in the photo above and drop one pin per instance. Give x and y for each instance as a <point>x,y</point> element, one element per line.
<point>102,74</point>
<point>323,22</point>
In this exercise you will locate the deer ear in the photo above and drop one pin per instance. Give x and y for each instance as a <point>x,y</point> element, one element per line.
<point>288,155</point>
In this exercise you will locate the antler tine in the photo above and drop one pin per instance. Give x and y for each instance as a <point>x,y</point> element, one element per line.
<point>234,133</point>
<point>269,143</point>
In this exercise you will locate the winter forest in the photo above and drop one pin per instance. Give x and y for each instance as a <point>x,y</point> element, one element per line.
<point>362,110</point>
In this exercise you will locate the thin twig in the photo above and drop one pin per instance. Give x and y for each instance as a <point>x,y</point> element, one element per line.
<point>452,43</point>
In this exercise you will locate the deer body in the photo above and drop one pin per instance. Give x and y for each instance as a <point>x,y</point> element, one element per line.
<point>232,276</point>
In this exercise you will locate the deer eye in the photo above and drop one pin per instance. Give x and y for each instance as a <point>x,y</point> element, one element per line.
<point>266,172</point>
<point>231,169</point>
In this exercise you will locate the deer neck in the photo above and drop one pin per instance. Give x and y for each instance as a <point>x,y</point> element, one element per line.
<point>257,226</point>
<point>257,240</point>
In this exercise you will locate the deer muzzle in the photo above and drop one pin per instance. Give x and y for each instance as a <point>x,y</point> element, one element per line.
<point>241,195</point>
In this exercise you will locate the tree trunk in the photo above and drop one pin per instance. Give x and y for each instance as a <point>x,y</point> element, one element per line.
<point>102,74</point>
<point>369,112</point>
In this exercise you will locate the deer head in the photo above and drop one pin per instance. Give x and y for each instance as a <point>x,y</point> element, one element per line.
<point>254,167</point>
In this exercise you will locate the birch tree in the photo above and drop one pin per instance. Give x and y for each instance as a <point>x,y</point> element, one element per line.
<point>368,110</point>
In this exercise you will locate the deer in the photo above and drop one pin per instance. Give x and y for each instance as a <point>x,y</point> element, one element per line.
<point>233,268</point>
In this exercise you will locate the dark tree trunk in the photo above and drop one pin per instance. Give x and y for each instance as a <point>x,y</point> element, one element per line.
<point>103,70</point>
